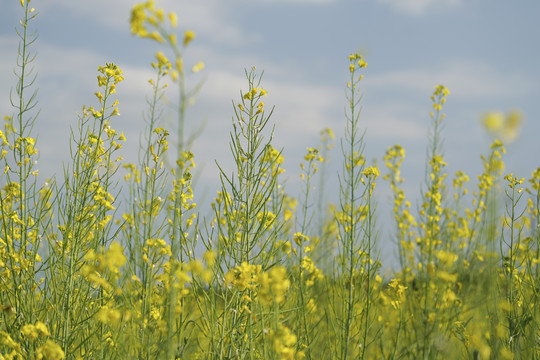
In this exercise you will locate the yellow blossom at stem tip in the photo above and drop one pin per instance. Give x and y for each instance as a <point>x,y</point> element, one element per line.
<point>188,36</point>
<point>371,171</point>
<point>197,67</point>
<point>504,126</point>
<point>174,19</point>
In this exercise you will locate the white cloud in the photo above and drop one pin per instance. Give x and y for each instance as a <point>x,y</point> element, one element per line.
<point>469,79</point>
<point>419,7</point>
<point>209,18</point>
<point>397,121</point>
<point>305,2</point>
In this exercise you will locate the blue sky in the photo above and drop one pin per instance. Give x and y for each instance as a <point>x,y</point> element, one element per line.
<point>485,51</point>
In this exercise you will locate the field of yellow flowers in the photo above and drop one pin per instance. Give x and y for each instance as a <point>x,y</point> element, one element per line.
<point>86,276</point>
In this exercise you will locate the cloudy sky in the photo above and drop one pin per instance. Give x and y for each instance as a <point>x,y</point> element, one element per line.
<point>485,51</point>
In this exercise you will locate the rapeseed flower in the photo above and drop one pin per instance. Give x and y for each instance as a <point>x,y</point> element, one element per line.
<point>32,332</point>
<point>300,238</point>
<point>244,276</point>
<point>284,343</point>
<point>503,126</point>
<point>173,18</point>
<point>197,67</point>
<point>273,285</point>
<point>535,180</point>
<point>109,316</point>
<point>50,351</point>
<point>189,35</point>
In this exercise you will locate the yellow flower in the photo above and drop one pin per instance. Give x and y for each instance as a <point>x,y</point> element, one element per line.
<point>197,67</point>
<point>42,329</point>
<point>300,238</point>
<point>280,283</point>
<point>188,36</point>
<point>493,121</point>
<point>284,343</point>
<point>441,90</point>
<point>327,132</point>
<point>371,171</point>
<point>50,351</point>
<point>446,276</point>
<point>535,179</point>
<point>162,58</point>
<point>159,14</point>
<point>109,316</point>
<point>3,138</point>
<point>196,267</point>
<point>312,154</point>
<point>156,36</point>
<point>173,18</point>
<point>503,126</point>
<point>114,257</point>
<point>31,332</point>
<point>243,276</point>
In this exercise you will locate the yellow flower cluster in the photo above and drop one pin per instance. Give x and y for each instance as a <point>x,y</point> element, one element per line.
<point>49,350</point>
<point>163,64</point>
<point>267,286</point>
<point>356,160</point>
<point>274,159</point>
<point>147,21</point>
<point>244,276</point>
<point>102,197</point>
<point>110,72</point>
<point>371,172</point>
<point>110,76</point>
<point>311,271</point>
<point>254,94</point>
<point>503,126</point>
<point>146,14</point>
<point>513,181</point>
<point>154,250</point>
<point>535,180</point>
<point>357,61</point>
<point>311,168</point>
<point>285,343</point>
<point>266,218</point>
<point>300,239</point>
<point>103,268</point>
<point>394,294</point>
<point>107,315</point>
<point>493,167</point>
<point>32,332</point>
<point>273,285</point>
<point>439,98</point>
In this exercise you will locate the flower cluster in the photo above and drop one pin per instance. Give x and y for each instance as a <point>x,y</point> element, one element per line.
<point>503,126</point>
